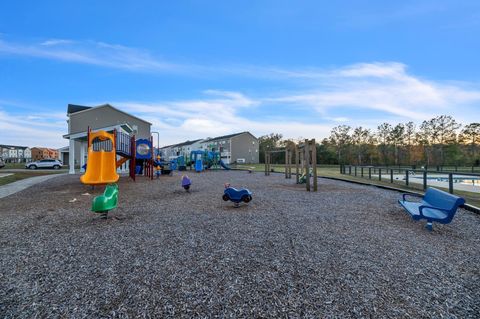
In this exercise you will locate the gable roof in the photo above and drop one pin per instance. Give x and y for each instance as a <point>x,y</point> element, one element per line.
<point>223,137</point>
<point>182,144</point>
<point>89,108</point>
<point>73,108</point>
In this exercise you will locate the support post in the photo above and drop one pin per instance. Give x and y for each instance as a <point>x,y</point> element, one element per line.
<point>306,152</point>
<point>82,156</point>
<point>314,165</point>
<point>424,180</point>
<point>450,183</point>
<point>380,174</point>
<point>297,161</point>
<point>406,178</point>
<point>391,175</point>
<point>71,156</point>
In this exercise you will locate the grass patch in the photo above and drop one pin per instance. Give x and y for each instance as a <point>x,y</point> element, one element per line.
<point>16,176</point>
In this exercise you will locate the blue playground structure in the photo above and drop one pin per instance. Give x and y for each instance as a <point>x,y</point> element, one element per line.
<point>436,206</point>
<point>225,166</point>
<point>237,195</point>
<point>202,160</point>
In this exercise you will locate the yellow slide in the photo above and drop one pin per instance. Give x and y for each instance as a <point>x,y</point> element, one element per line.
<point>101,165</point>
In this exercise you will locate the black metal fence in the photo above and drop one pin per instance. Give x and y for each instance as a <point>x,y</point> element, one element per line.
<point>453,181</point>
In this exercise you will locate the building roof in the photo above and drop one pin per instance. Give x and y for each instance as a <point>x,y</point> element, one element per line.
<point>223,137</point>
<point>89,108</point>
<point>44,149</point>
<point>182,144</point>
<point>13,146</point>
<point>73,108</point>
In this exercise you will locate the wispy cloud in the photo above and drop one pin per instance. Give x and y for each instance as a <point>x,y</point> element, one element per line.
<point>33,130</point>
<point>91,52</point>
<point>384,87</point>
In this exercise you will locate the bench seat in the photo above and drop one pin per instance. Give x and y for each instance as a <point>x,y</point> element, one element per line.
<point>436,206</point>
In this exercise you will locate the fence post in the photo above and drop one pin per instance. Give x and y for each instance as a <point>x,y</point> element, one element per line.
<point>369,173</point>
<point>361,171</point>
<point>391,176</point>
<point>380,174</point>
<point>406,177</point>
<point>450,183</point>
<point>355,170</point>
<point>424,180</point>
<point>350,170</point>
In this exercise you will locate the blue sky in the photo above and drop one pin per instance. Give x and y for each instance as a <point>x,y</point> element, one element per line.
<point>206,68</point>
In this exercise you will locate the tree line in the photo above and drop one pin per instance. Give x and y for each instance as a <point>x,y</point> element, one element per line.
<point>440,141</point>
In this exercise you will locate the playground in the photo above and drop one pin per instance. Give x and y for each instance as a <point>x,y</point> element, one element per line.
<point>344,251</point>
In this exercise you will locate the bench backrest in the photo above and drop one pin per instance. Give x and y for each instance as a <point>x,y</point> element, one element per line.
<point>444,200</point>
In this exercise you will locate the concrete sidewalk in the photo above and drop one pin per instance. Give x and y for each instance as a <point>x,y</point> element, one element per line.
<point>12,188</point>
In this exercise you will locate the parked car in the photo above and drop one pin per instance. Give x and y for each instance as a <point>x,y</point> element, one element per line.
<point>45,163</point>
<point>2,163</point>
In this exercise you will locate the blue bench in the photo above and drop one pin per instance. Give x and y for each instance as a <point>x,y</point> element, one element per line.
<point>436,206</point>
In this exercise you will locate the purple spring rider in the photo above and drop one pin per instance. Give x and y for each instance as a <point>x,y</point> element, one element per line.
<point>186,182</point>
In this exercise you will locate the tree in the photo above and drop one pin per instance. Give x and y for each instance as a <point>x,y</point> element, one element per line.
<point>470,136</point>
<point>395,138</point>
<point>383,134</point>
<point>409,138</point>
<point>340,138</point>
<point>422,139</point>
<point>268,142</point>
<point>445,133</point>
<point>360,140</point>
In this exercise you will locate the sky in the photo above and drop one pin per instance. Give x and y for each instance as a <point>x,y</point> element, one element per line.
<point>206,68</point>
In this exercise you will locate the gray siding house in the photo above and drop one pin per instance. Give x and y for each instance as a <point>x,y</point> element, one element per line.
<point>103,117</point>
<point>180,149</point>
<point>235,148</point>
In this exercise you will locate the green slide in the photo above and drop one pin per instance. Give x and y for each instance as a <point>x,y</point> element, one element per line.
<point>107,201</point>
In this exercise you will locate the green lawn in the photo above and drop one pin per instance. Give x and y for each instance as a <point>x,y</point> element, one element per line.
<point>334,171</point>
<point>16,176</point>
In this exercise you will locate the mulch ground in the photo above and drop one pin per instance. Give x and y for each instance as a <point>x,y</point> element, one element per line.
<point>346,251</point>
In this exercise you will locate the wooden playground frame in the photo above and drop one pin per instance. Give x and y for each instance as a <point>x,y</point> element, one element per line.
<point>305,160</point>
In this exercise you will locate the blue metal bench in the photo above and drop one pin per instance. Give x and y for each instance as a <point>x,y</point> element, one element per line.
<point>436,206</point>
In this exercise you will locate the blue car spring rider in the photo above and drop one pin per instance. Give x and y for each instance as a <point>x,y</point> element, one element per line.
<point>236,195</point>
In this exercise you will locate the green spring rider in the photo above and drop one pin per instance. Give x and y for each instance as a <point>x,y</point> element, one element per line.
<point>108,201</point>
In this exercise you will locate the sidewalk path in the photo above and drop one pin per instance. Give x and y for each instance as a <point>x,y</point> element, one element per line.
<point>12,188</point>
